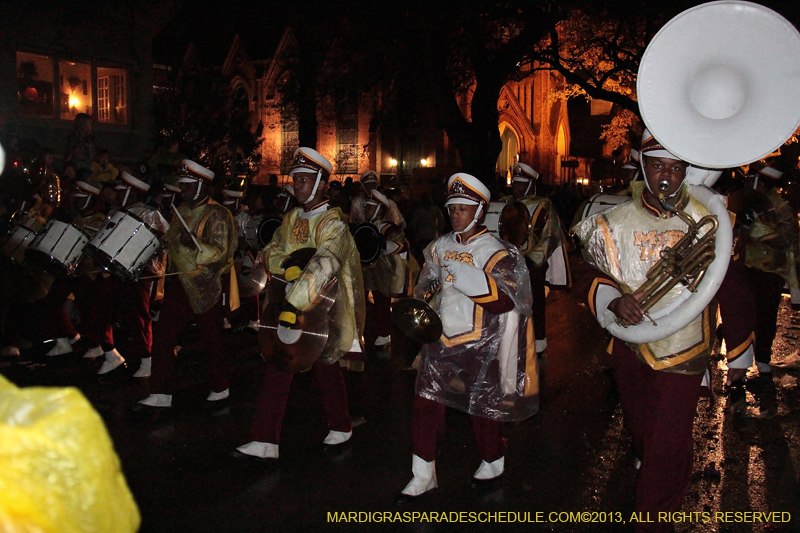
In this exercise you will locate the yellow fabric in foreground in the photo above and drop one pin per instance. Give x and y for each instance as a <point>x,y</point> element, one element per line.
<point>58,469</point>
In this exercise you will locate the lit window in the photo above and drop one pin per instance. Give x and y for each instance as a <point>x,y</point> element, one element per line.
<point>112,96</point>
<point>75,88</point>
<point>35,85</point>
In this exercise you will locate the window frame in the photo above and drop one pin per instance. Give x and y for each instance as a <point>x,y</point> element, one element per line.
<point>55,58</point>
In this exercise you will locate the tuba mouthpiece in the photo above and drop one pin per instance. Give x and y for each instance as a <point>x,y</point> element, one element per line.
<point>663,186</point>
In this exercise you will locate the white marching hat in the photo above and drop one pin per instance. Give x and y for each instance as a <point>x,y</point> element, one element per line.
<point>192,172</point>
<point>370,176</point>
<point>523,173</point>
<point>718,84</point>
<point>86,189</point>
<point>136,183</point>
<point>172,188</point>
<point>466,189</point>
<point>309,160</point>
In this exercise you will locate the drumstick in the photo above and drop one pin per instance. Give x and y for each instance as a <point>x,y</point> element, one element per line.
<point>183,223</point>
<point>163,275</point>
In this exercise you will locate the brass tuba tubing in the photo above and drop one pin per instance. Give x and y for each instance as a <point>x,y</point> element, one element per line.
<point>685,262</point>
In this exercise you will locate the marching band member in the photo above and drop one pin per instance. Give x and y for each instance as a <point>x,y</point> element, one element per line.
<point>484,363</point>
<point>369,183</point>
<point>547,259</point>
<point>311,226</point>
<point>200,244</point>
<point>659,382</point>
<point>132,299</point>
<point>771,244</point>
<point>85,202</point>
<point>394,272</point>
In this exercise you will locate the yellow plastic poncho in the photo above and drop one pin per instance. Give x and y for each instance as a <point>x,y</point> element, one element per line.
<point>201,271</point>
<point>58,469</point>
<point>336,255</point>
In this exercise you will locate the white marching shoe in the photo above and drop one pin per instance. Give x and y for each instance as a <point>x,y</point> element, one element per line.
<point>144,369</point>
<point>259,451</point>
<point>487,471</point>
<point>62,346</point>
<point>383,341</point>
<point>334,438</point>
<point>113,360</point>
<point>157,400</point>
<point>93,353</point>
<point>424,479</point>
<point>217,396</point>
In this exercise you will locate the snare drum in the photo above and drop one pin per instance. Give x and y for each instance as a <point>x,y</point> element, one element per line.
<point>601,202</point>
<point>19,238</point>
<point>124,245</point>
<point>258,230</point>
<point>492,219</point>
<point>58,248</point>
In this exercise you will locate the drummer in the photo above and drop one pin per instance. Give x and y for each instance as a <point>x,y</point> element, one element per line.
<point>369,183</point>
<point>546,254</point>
<point>130,299</point>
<point>200,244</point>
<point>89,218</point>
<point>393,273</point>
<point>313,225</point>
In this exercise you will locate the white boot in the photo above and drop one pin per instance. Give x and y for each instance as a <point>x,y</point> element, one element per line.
<point>337,437</point>
<point>490,470</point>
<point>259,450</point>
<point>217,396</point>
<point>63,346</point>
<point>424,477</point>
<point>157,400</point>
<point>92,353</point>
<point>144,368</point>
<point>113,360</point>
<point>383,341</point>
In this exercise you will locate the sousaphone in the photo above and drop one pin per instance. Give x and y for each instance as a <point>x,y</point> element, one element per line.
<point>717,87</point>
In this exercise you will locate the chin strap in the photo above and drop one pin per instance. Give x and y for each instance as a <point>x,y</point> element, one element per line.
<point>528,188</point>
<point>474,220</point>
<point>316,186</point>
<point>127,193</point>
<point>199,188</point>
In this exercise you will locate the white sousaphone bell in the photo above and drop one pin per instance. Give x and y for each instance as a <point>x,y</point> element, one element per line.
<point>718,87</point>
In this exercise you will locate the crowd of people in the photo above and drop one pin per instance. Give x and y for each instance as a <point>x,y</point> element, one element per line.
<point>344,247</point>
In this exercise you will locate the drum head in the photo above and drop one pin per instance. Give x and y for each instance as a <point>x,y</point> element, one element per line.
<point>266,229</point>
<point>369,242</point>
<point>515,224</point>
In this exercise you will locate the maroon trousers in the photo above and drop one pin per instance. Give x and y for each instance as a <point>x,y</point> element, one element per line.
<point>427,426</point>
<point>768,288</point>
<point>658,410</point>
<point>538,276</point>
<point>132,300</point>
<point>57,322</point>
<point>176,314</point>
<point>271,402</point>
<point>382,314</point>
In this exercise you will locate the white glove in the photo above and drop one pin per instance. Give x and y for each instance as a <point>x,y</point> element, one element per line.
<point>468,279</point>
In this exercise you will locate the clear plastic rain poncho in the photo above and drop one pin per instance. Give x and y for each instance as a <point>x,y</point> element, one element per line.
<point>484,363</point>
<point>772,241</point>
<point>336,256</point>
<point>201,271</point>
<point>624,243</point>
<point>58,469</point>
<point>392,273</point>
